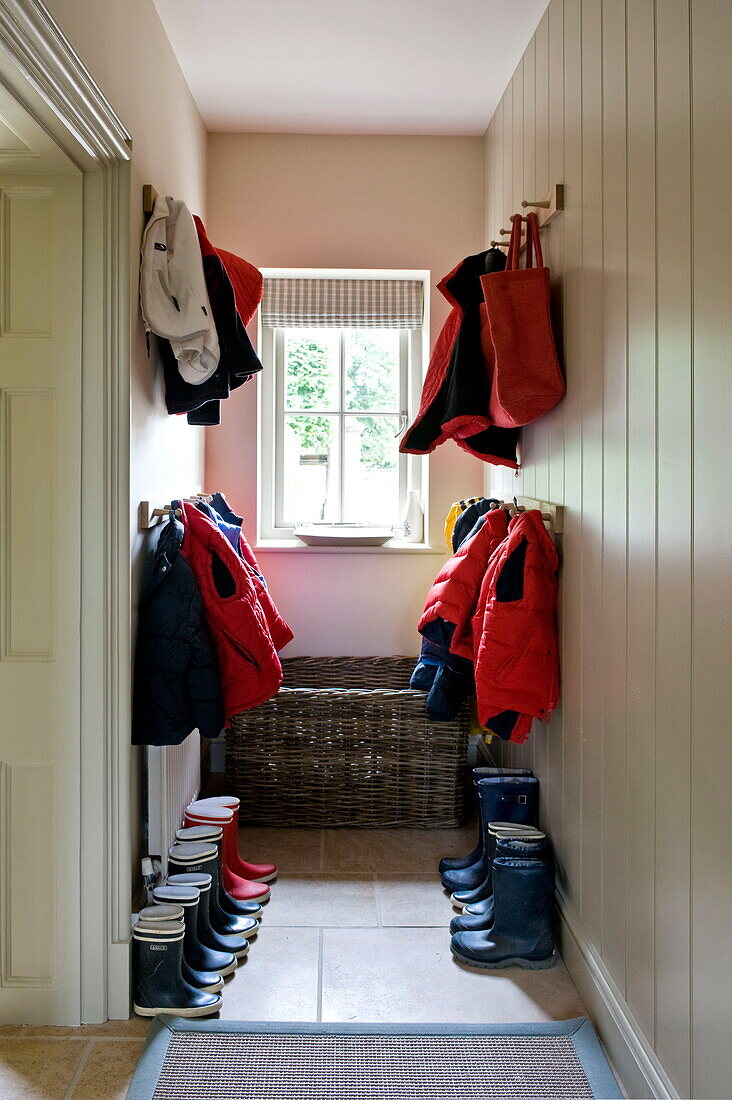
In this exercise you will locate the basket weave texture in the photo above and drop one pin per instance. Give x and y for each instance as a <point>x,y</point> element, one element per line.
<point>346,742</point>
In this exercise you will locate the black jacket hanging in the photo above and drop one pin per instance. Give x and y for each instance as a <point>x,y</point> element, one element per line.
<point>177,686</point>
<point>456,391</point>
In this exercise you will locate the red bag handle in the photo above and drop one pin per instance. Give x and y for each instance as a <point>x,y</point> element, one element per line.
<point>533,243</point>
<point>514,244</point>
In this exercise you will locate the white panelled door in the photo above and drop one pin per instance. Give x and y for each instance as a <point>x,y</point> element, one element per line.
<point>40,471</point>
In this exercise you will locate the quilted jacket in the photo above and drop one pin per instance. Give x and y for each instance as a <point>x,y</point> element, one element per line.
<point>177,685</point>
<point>250,668</point>
<point>514,627</point>
<point>452,599</point>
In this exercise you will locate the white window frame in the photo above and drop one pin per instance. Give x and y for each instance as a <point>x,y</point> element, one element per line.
<point>271,407</point>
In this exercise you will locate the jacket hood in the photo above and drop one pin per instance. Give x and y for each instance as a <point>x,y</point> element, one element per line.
<point>246,279</point>
<point>462,286</point>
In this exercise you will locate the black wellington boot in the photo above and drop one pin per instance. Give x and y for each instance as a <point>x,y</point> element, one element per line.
<point>214,834</point>
<point>523,926</point>
<point>478,916</point>
<point>202,858</point>
<point>186,898</point>
<point>157,955</point>
<point>222,923</point>
<point>482,894</point>
<point>458,863</point>
<point>169,909</point>
<point>196,921</point>
<point>510,798</point>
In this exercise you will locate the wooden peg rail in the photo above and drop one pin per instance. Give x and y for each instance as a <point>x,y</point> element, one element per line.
<point>552,514</point>
<point>546,209</point>
<point>149,516</point>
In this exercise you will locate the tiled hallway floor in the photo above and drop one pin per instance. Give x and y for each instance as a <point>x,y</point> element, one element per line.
<point>356,930</point>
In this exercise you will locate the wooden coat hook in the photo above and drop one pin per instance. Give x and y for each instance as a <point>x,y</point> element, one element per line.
<point>149,195</point>
<point>548,207</point>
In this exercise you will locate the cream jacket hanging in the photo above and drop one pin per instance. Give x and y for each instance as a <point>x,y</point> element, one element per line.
<point>173,295</point>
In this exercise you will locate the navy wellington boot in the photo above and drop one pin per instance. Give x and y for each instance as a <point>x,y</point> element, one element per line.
<point>522,933</point>
<point>157,955</point>
<point>478,916</point>
<point>198,928</point>
<point>199,965</point>
<point>462,899</point>
<point>223,922</point>
<point>214,834</point>
<point>167,910</point>
<point>201,858</point>
<point>458,863</point>
<point>500,798</point>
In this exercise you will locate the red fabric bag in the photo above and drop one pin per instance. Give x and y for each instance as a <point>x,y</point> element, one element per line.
<point>527,379</point>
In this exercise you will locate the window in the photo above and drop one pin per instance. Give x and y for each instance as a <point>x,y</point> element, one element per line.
<point>342,372</point>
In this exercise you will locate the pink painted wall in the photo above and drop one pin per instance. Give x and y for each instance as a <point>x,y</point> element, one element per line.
<point>286,200</point>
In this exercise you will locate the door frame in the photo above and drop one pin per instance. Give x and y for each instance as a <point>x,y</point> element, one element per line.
<point>40,68</point>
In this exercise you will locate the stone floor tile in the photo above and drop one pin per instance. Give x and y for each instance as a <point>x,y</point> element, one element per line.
<point>278,980</point>
<point>412,901</point>
<point>133,1028</point>
<point>38,1069</point>
<point>313,901</point>
<point>416,850</point>
<point>108,1070</point>
<point>400,975</point>
<point>291,849</point>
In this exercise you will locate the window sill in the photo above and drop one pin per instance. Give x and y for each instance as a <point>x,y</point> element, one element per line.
<point>289,546</point>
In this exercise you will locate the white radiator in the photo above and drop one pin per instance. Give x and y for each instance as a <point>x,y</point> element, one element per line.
<point>173,780</point>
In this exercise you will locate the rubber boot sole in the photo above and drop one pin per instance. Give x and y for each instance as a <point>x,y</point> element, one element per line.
<point>256,914</point>
<point>188,1013</point>
<point>502,964</point>
<point>266,878</point>
<point>226,970</point>
<point>244,935</point>
<point>212,988</point>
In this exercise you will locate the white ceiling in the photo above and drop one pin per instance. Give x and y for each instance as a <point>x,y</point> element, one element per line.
<point>354,66</point>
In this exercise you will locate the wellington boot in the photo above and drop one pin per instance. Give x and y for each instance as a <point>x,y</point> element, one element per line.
<point>157,953</point>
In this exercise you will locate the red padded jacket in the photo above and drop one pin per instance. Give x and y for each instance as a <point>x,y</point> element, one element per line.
<point>514,626</point>
<point>249,667</point>
<point>456,391</point>
<point>454,594</point>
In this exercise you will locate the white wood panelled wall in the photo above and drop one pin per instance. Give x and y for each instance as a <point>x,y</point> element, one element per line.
<point>627,102</point>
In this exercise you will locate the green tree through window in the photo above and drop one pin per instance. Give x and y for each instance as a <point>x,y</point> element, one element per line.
<point>370,383</point>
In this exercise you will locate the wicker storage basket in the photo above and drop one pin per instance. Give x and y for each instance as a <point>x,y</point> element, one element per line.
<point>346,742</point>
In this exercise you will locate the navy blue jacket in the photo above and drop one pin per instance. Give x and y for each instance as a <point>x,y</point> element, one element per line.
<point>177,685</point>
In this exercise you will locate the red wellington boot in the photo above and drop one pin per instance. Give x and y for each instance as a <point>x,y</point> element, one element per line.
<point>258,872</point>
<point>240,888</point>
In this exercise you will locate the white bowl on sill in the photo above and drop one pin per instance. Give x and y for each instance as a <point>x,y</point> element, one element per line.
<point>342,534</point>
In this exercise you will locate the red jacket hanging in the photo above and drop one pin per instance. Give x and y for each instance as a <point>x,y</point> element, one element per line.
<point>452,599</point>
<point>456,391</point>
<point>248,663</point>
<point>514,626</point>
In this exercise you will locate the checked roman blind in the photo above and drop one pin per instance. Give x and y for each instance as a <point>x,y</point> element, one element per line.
<point>342,303</point>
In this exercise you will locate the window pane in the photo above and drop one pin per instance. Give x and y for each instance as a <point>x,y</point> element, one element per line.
<point>311,368</point>
<point>311,469</point>
<point>372,474</point>
<point>372,369</point>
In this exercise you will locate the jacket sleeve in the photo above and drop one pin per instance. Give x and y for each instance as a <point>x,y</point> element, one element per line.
<point>202,680</point>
